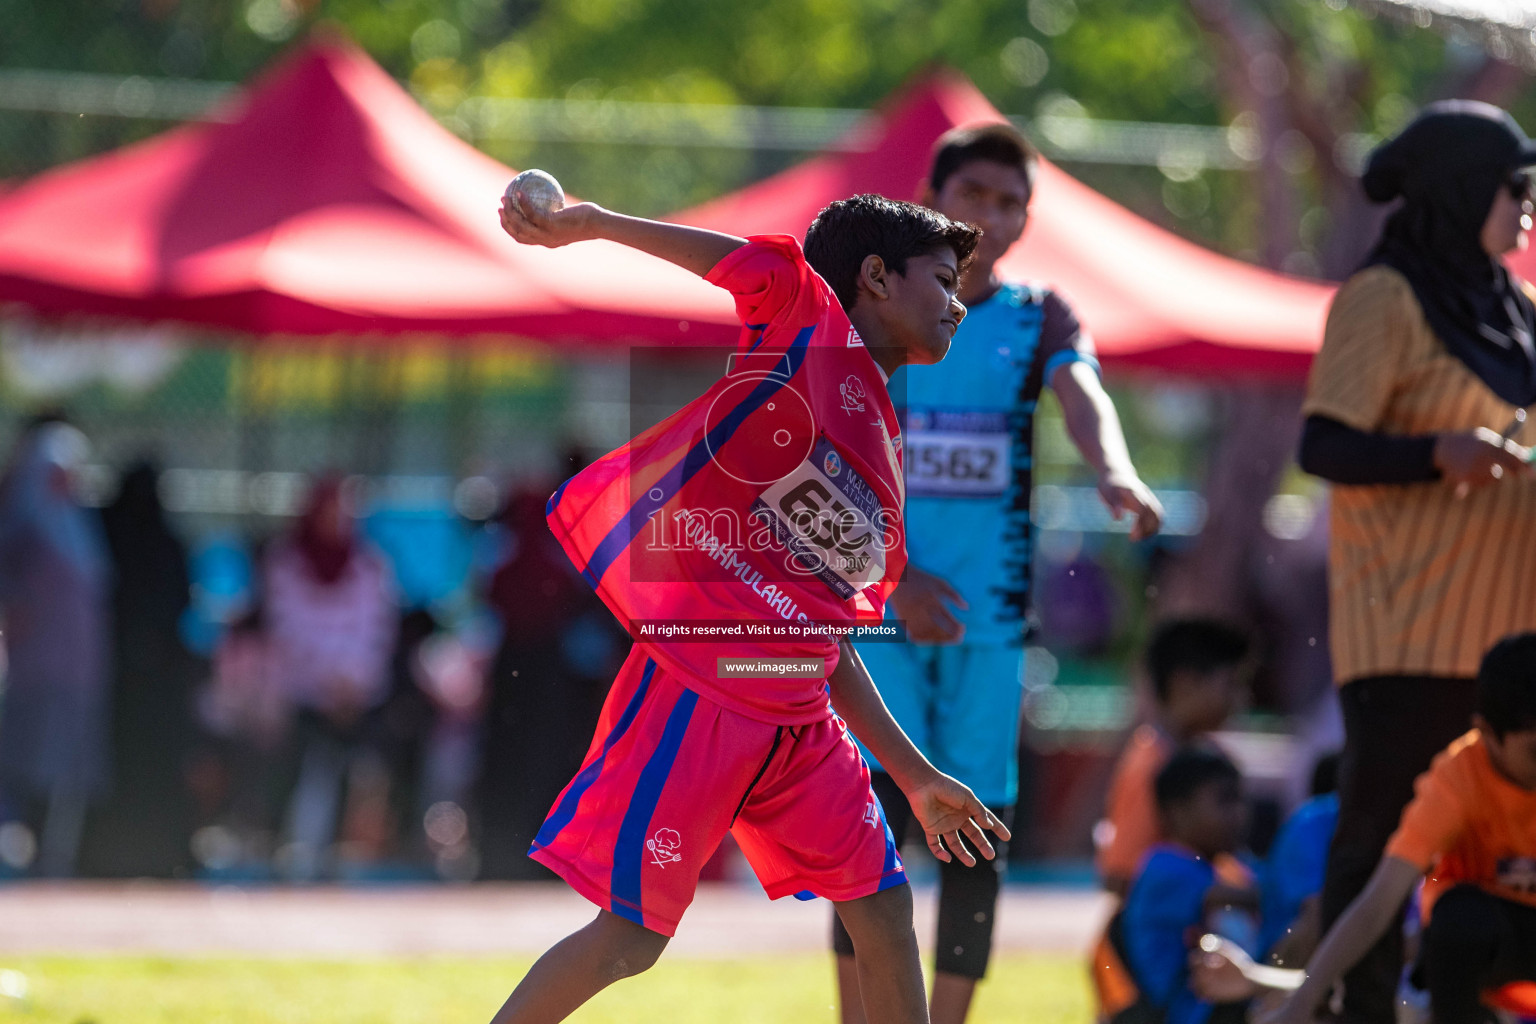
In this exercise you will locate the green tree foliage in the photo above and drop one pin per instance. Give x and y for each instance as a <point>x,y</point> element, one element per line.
<point>1142,60</point>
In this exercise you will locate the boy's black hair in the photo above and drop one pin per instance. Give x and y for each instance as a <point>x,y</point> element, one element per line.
<point>847,231</point>
<point>997,143</point>
<point>1506,685</point>
<point>1187,771</point>
<point>1192,645</point>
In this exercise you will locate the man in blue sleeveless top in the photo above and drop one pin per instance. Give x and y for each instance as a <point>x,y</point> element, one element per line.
<point>955,686</point>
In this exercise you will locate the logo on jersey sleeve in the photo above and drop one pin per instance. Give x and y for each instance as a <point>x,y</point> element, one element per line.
<point>829,519</point>
<point>853,394</point>
<point>854,341</point>
<point>665,846</point>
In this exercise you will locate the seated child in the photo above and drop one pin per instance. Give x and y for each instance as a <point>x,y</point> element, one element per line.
<point>1471,829</point>
<point>1196,670</point>
<point>1292,880</point>
<point>1189,884</point>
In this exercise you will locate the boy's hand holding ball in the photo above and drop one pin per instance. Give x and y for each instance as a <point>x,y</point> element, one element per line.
<point>533,211</point>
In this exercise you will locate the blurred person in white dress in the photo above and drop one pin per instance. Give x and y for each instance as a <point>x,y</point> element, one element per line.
<point>331,617</point>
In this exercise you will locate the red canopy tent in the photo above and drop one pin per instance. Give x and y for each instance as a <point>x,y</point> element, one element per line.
<point>329,202</point>
<point>1150,298</point>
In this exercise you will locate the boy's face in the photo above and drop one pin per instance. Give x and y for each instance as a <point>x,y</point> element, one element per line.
<point>1211,820</point>
<point>920,311</point>
<point>990,195</point>
<point>1514,756</point>
<point>1203,701</point>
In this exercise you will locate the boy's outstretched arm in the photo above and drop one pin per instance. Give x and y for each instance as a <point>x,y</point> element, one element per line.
<point>1095,429</point>
<point>1362,923</point>
<point>694,249</point>
<point>945,808</point>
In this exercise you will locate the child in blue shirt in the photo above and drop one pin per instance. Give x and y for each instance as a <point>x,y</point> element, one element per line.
<point>1188,885</point>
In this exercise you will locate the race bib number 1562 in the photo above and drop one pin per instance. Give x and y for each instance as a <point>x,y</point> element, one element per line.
<point>945,463</point>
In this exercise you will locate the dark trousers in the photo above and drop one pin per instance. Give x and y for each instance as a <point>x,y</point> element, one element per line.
<point>1475,941</point>
<point>1393,728</point>
<point>967,896</point>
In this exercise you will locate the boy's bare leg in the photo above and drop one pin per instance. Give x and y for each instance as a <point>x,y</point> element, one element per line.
<point>578,967</point>
<point>890,974</point>
<point>949,1004</point>
<point>951,997</point>
<point>849,1003</point>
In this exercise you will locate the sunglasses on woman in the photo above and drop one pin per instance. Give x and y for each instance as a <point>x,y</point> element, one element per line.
<point>1519,185</point>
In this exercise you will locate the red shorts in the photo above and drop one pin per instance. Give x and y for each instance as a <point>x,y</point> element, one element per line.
<point>670,772</point>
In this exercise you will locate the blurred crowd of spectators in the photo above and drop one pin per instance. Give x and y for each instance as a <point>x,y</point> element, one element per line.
<point>360,693</point>
<point>331,728</point>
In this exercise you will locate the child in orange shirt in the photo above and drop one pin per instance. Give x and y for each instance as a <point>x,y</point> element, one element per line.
<point>1471,829</point>
<point>1195,666</point>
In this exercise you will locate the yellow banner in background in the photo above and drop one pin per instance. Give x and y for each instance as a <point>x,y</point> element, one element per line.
<point>304,376</point>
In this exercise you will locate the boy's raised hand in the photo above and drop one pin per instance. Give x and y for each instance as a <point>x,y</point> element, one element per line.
<point>694,249</point>
<point>946,809</point>
<point>551,230</point>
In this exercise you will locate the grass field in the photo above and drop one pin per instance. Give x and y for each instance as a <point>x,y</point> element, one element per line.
<point>798,989</point>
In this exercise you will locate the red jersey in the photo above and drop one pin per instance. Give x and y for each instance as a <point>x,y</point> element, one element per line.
<point>772,502</point>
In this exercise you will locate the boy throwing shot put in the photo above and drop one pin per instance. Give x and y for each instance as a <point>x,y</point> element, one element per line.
<point>772,500</point>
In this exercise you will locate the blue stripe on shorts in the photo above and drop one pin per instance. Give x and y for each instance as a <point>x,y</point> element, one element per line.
<point>629,848</point>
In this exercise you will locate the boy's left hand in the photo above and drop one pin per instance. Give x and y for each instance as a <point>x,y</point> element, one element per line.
<point>946,809</point>
<point>1124,493</point>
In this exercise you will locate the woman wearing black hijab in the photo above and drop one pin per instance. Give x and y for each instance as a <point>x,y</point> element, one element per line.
<point>1416,412</point>
<point>145,827</point>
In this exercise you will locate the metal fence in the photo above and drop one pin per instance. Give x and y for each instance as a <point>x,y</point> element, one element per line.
<point>239,422</point>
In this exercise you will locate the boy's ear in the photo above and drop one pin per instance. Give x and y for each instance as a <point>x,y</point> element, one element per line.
<point>874,277</point>
<point>926,195</point>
